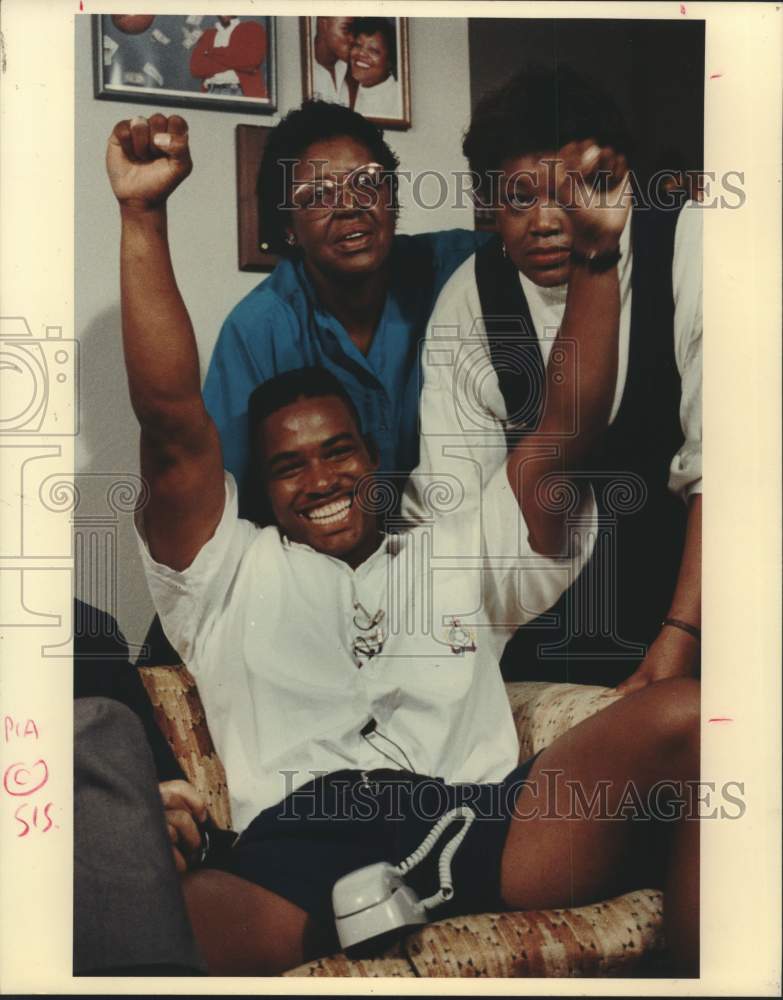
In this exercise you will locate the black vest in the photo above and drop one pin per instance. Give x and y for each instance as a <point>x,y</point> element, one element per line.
<point>600,629</point>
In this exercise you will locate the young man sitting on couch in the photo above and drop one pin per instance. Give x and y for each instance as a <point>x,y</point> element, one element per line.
<point>334,664</point>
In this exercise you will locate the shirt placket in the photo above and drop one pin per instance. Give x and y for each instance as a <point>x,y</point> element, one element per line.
<point>369,618</point>
<point>368,625</point>
<point>366,373</point>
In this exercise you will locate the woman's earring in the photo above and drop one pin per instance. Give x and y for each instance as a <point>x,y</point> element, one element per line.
<point>504,251</point>
<point>290,239</point>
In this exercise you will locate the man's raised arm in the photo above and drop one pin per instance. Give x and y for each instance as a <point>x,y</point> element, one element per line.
<point>582,370</point>
<point>180,449</point>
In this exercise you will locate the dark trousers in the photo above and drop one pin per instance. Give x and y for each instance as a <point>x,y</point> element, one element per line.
<point>129,912</point>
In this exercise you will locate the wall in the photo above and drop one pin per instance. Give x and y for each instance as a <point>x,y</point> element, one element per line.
<point>653,69</point>
<point>204,246</point>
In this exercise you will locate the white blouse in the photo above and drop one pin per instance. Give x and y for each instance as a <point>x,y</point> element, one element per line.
<point>384,100</point>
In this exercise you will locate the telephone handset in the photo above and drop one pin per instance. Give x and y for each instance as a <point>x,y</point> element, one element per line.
<point>374,904</point>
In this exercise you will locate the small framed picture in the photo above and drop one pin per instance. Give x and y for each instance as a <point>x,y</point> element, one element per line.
<point>361,62</point>
<point>223,62</point>
<point>485,219</point>
<point>254,250</point>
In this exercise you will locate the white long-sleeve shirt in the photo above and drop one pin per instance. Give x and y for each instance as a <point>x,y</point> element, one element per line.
<point>269,629</point>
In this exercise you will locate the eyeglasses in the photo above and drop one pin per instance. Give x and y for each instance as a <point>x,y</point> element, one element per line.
<point>325,194</point>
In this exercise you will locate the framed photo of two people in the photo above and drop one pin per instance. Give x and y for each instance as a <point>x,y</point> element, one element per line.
<point>361,62</point>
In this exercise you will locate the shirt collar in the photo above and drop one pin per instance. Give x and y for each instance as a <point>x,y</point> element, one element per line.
<point>391,545</point>
<point>327,319</point>
<point>223,33</point>
<point>328,322</point>
<point>340,72</point>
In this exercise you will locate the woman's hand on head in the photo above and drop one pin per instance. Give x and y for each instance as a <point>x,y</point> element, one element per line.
<point>593,185</point>
<point>147,159</point>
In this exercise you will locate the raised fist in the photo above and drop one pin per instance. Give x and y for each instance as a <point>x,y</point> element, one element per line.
<point>593,186</point>
<point>147,159</point>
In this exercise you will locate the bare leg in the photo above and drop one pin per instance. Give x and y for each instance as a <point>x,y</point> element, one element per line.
<point>245,930</point>
<point>556,858</point>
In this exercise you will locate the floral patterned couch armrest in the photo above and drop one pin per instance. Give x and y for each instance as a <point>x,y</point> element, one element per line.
<point>543,711</point>
<point>180,716</point>
<point>610,938</point>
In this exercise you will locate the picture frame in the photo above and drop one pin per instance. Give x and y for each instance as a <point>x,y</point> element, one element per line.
<point>485,219</point>
<point>163,59</point>
<point>254,250</point>
<point>384,48</point>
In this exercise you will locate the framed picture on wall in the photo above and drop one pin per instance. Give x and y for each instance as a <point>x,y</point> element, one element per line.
<point>224,62</point>
<point>254,251</point>
<point>485,219</point>
<point>361,62</point>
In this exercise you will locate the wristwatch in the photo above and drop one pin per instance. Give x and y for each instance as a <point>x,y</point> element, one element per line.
<point>597,261</point>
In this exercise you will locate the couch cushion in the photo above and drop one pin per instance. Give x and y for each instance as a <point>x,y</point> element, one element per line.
<point>544,711</point>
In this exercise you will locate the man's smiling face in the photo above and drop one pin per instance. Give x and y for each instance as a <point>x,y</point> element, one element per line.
<point>313,458</point>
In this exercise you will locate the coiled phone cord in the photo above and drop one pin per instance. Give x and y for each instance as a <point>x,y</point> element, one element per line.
<point>446,890</point>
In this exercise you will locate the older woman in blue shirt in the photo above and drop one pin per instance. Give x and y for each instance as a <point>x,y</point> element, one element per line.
<point>349,295</point>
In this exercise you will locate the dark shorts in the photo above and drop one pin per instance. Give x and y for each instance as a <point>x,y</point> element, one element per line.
<point>335,824</point>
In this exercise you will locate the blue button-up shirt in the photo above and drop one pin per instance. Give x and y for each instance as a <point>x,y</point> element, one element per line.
<point>280,325</point>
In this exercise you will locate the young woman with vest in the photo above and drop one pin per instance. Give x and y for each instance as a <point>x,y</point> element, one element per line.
<point>633,615</point>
